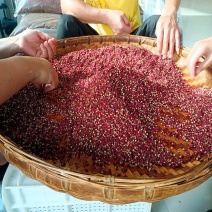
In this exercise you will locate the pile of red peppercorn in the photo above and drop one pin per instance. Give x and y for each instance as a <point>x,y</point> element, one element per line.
<point>120,105</point>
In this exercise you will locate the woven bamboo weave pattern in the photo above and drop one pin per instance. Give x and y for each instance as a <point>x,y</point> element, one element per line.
<point>82,178</point>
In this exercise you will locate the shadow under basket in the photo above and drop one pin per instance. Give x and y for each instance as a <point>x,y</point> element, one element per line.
<point>134,186</point>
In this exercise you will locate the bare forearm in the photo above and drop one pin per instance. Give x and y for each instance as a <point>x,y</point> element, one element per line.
<point>171,7</point>
<point>8,47</point>
<point>84,12</point>
<point>14,77</point>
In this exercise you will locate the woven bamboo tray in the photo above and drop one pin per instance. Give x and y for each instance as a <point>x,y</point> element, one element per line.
<point>133,185</point>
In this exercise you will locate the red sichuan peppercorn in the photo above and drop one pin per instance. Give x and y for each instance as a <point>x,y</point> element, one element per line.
<point>117,104</point>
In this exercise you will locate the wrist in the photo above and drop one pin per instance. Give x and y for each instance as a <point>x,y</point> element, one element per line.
<point>28,65</point>
<point>170,9</point>
<point>169,13</point>
<point>104,16</point>
<point>14,45</point>
<point>17,41</point>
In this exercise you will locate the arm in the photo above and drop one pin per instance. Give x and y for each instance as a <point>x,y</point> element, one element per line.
<point>84,12</point>
<point>115,19</point>
<point>200,48</point>
<point>26,69</point>
<point>167,29</point>
<point>39,71</point>
<point>30,42</point>
<point>8,47</point>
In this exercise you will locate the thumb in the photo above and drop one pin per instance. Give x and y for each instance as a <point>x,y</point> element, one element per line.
<point>202,66</point>
<point>126,20</point>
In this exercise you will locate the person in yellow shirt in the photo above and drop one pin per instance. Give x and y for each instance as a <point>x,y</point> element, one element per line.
<point>108,17</point>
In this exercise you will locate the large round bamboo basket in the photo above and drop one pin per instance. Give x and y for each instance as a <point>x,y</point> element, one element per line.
<point>131,186</point>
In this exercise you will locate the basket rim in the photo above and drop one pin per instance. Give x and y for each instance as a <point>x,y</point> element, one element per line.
<point>204,168</point>
<point>65,43</point>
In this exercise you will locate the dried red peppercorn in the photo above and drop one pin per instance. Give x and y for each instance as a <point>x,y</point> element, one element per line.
<point>117,104</point>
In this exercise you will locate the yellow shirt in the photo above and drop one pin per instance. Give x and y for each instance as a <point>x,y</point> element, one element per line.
<point>129,7</point>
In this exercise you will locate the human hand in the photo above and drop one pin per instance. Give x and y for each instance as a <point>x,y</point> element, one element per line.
<point>200,48</point>
<point>168,36</point>
<point>44,74</point>
<point>36,43</point>
<point>118,22</point>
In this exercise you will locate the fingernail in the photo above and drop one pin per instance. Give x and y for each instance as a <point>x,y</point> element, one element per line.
<point>47,85</point>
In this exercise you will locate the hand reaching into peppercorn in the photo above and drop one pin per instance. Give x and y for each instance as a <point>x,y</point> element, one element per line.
<point>168,36</point>
<point>39,71</point>
<point>30,42</point>
<point>17,71</point>
<point>202,48</point>
<point>43,74</point>
<point>36,43</point>
<point>167,30</point>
